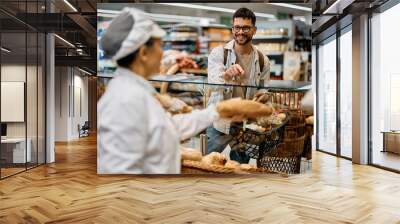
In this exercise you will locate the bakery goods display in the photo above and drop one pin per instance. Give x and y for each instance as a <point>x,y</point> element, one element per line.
<point>193,162</point>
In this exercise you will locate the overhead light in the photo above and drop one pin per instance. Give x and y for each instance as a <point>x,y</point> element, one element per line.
<point>70,5</point>
<point>86,72</point>
<point>181,19</point>
<point>217,9</point>
<point>5,49</point>
<point>291,6</point>
<point>159,17</point>
<point>64,40</point>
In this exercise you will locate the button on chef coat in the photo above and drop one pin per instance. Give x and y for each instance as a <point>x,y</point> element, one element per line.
<point>136,135</point>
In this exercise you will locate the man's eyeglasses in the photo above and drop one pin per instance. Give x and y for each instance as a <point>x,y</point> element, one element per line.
<point>245,29</point>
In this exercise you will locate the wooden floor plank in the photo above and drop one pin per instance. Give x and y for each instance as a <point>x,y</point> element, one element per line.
<point>70,191</point>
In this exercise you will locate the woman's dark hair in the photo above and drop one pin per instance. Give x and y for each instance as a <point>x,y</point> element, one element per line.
<point>245,13</point>
<point>126,61</point>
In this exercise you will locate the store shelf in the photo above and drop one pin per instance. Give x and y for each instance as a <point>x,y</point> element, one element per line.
<point>179,40</point>
<point>274,53</point>
<point>271,37</point>
<point>216,40</point>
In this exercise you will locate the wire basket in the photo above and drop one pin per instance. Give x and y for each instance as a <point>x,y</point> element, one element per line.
<point>285,158</point>
<point>254,143</point>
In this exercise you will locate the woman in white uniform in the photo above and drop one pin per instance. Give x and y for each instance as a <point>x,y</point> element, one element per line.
<point>135,134</point>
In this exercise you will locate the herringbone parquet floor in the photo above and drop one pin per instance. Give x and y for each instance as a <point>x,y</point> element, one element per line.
<point>70,191</point>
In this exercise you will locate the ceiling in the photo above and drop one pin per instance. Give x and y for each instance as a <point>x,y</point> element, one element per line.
<point>169,9</point>
<point>328,16</point>
<point>75,23</point>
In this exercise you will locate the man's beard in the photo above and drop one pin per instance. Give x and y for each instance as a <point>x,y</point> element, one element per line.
<point>247,39</point>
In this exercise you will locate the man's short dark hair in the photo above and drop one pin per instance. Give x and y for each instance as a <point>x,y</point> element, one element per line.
<point>245,13</point>
<point>126,61</point>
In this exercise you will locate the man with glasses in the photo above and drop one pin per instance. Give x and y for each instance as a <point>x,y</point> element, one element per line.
<point>239,63</point>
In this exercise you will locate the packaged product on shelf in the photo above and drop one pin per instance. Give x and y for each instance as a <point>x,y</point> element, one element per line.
<point>291,68</point>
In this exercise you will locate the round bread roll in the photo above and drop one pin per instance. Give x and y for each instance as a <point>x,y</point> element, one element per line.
<point>231,164</point>
<point>310,120</point>
<point>191,154</point>
<point>282,116</point>
<point>214,158</point>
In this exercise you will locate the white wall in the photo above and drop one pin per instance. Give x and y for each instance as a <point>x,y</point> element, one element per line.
<point>12,73</point>
<point>71,94</point>
<point>33,126</point>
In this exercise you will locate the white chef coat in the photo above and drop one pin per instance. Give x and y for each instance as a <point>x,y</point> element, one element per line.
<point>136,135</point>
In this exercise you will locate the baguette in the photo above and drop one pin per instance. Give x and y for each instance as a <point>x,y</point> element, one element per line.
<point>243,108</point>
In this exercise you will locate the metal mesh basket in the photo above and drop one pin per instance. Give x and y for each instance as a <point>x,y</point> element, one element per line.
<point>255,143</point>
<point>285,158</point>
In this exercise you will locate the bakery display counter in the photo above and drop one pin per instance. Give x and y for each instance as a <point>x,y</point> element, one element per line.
<point>280,143</point>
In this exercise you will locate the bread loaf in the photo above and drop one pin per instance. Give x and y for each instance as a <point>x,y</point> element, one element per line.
<point>244,108</point>
<point>191,154</point>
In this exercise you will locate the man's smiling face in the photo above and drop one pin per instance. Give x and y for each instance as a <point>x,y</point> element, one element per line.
<point>243,30</point>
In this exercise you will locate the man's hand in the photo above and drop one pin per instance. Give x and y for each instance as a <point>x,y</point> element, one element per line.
<point>262,97</point>
<point>234,72</point>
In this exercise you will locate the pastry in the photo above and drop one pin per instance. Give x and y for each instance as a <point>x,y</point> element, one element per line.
<point>275,120</point>
<point>282,116</point>
<point>214,158</point>
<point>191,154</point>
<point>231,164</point>
<point>243,108</point>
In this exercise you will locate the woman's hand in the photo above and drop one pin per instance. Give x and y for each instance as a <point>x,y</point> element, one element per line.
<point>238,110</point>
